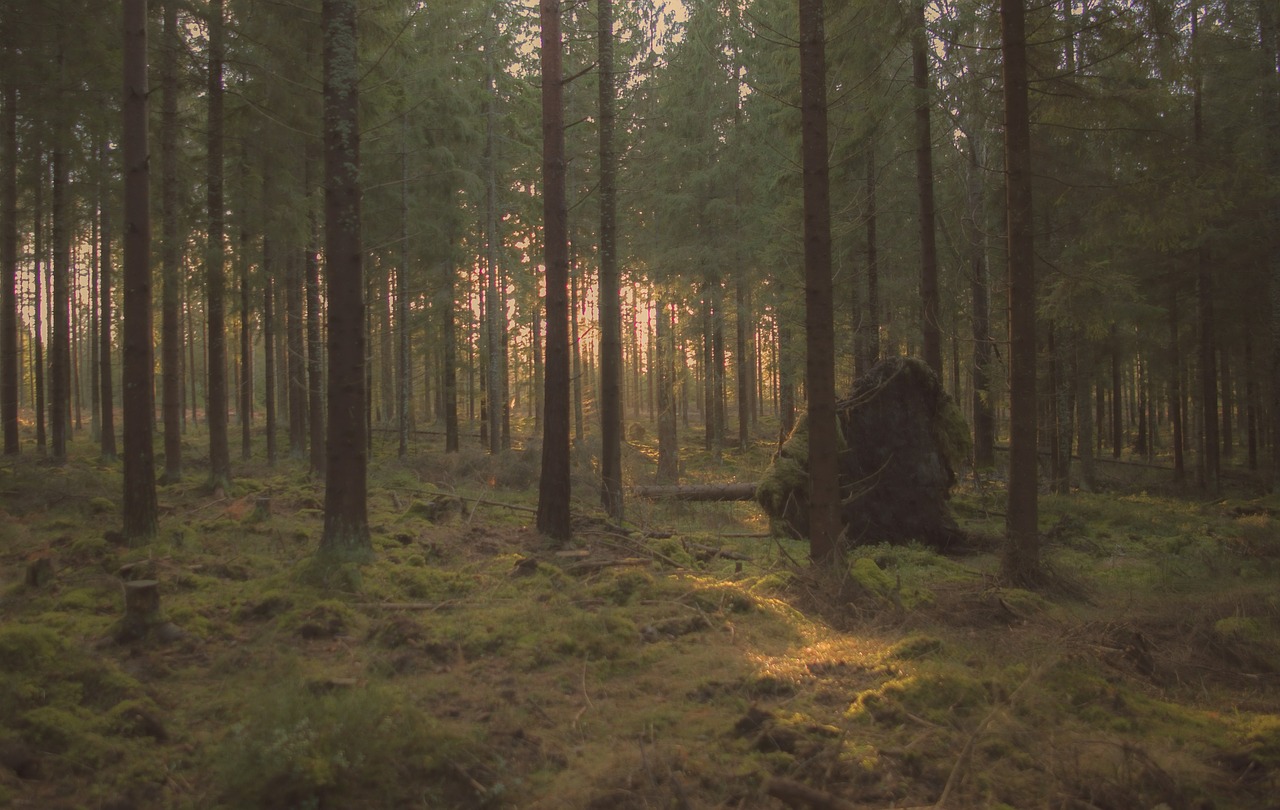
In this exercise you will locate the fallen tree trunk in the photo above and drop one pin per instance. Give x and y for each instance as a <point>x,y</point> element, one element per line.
<point>698,492</point>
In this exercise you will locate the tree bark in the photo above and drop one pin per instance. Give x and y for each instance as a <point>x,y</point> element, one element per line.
<point>553,488</point>
<point>1209,444</point>
<point>9,271</point>
<point>984,429</point>
<point>39,269</point>
<point>106,399</point>
<point>929,324</point>
<point>215,267</point>
<point>59,299</point>
<point>1021,561</point>
<point>269,350</point>
<point>171,257</point>
<point>139,501</point>
<point>315,359</point>
<point>824,486</point>
<point>1270,40</point>
<point>448,337</point>
<point>346,522</point>
<point>1175,385</point>
<point>668,444</point>
<point>610,301</point>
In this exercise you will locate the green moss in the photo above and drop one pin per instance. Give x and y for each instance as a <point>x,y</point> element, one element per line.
<point>914,646</point>
<point>1238,628</point>
<point>935,693</point>
<point>102,506</point>
<point>297,748</point>
<point>870,576</point>
<point>951,433</point>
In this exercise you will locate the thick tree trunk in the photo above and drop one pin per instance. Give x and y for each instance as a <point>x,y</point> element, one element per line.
<point>245,404</point>
<point>404,391</point>
<point>1021,562</point>
<point>171,257</point>
<point>824,485</point>
<point>929,323</point>
<point>873,258</point>
<point>139,502</point>
<point>610,301</point>
<point>553,488</point>
<point>346,523</point>
<point>575,359</point>
<point>9,271</point>
<point>1270,40</point>
<point>215,264</point>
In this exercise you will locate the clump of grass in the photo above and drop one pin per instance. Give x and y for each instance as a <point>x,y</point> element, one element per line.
<point>300,749</point>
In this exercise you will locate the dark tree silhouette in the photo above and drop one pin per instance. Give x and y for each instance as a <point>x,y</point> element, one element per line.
<point>346,521</point>
<point>553,487</point>
<point>215,266</point>
<point>139,500</point>
<point>9,271</point>
<point>610,301</point>
<point>171,255</point>
<point>824,486</point>
<point>1021,562</point>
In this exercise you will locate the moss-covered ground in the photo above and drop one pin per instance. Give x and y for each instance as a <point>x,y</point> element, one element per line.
<point>682,660</point>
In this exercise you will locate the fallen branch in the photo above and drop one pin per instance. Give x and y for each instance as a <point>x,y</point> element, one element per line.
<point>698,492</point>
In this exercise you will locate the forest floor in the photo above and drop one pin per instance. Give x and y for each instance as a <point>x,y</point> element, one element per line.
<point>687,660</point>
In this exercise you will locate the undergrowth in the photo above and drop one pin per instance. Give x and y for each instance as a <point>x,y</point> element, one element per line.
<point>683,658</point>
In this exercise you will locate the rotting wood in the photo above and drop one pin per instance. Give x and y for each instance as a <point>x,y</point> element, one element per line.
<point>698,492</point>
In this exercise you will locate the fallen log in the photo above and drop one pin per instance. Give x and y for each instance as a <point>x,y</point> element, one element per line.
<point>698,492</point>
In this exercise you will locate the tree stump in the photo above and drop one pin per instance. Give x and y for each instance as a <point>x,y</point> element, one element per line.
<point>141,610</point>
<point>39,572</point>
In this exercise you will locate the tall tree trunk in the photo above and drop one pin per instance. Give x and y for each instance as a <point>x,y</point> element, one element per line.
<point>215,279</point>
<point>494,307</point>
<point>930,326</point>
<point>873,258</point>
<point>59,302</point>
<point>315,351</point>
<point>1228,403</point>
<point>1021,562</point>
<point>984,422</point>
<point>1084,384</point>
<point>668,443</point>
<point>269,349</point>
<point>1250,402</point>
<point>171,256</point>
<point>296,356</point>
<point>404,401</point>
<point>1270,40</point>
<point>107,427</point>
<point>140,511</point>
<point>575,357</point>
<point>824,485</point>
<point>449,339</point>
<point>39,269</point>
<point>1117,410</point>
<point>1204,291</point>
<point>245,406</point>
<point>9,357</point>
<point>346,522</point>
<point>610,301</point>
<point>742,359</point>
<point>553,487</point>
<point>1175,385</point>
